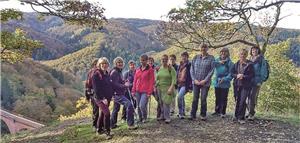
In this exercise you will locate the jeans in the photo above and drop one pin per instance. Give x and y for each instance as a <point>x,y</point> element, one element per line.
<point>164,108</point>
<point>121,99</point>
<point>221,100</point>
<point>252,100</point>
<point>142,102</point>
<point>181,101</point>
<point>241,94</point>
<point>124,111</point>
<point>103,120</point>
<point>204,92</point>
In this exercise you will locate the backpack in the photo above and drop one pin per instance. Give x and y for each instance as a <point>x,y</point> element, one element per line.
<point>265,64</point>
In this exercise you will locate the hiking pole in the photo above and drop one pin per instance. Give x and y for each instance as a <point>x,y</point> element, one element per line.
<point>131,100</point>
<point>149,113</point>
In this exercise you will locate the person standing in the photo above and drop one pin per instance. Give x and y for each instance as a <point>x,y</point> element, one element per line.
<point>119,88</point>
<point>260,75</point>
<point>243,74</point>
<point>143,87</point>
<point>184,83</point>
<point>158,109</point>
<point>89,93</point>
<point>165,84</point>
<point>102,87</point>
<point>129,76</point>
<point>202,70</point>
<point>172,61</point>
<point>221,81</point>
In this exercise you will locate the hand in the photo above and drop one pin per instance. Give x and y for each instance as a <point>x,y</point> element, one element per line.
<point>127,84</point>
<point>170,90</point>
<point>202,82</point>
<point>240,76</point>
<point>196,82</point>
<point>221,81</point>
<point>104,101</point>
<point>222,61</point>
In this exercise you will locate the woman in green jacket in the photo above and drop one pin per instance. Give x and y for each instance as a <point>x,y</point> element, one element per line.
<point>165,83</point>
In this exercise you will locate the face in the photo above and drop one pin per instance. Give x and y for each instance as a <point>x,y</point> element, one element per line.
<point>132,66</point>
<point>184,58</point>
<point>120,64</point>
<point>150,62</point>
<point>254,52</point>
<point>143,61</point>
<point>172,60</point>
<point>243,56</point>
<point>104,66</point>
<point>203,50</point>
<point>164,61</point>
<point>223,54</point>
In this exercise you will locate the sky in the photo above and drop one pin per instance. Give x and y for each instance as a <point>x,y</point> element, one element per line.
<point>155,9</point>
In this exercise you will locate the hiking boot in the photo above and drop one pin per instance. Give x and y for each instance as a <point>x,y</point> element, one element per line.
<point>167,121</point>
<point>114,126</point>
<point>234,119</point>
<point>203,118</point>
<point>100,132</point>
<point>180,116</point>
<point>241,121</point>
<point>144,121</point>
<point>215,114</point>
<point>192,118</point>
<point>133,127</point>
<point>160,119</point>
<point>250,118</point>
<point>108,136</point>
<point>223,115</point>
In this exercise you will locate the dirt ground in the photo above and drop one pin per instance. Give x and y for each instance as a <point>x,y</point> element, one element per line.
<point>215,129</point>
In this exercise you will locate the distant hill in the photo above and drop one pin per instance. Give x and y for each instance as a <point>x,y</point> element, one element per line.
<point>61,39</point>
<point>38,91</point>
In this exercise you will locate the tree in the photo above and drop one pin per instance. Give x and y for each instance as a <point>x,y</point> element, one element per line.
<point>220,23</point>
<point>16,46</point>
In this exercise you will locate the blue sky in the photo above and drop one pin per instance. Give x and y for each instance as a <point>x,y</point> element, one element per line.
<point>155,9</point>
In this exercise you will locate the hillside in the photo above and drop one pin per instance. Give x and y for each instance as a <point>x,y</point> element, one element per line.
<point>61,39</point>
<point>38,91</point>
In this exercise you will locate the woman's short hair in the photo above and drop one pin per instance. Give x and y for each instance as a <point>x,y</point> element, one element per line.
<point>131,62</point>
<point>145,57</point>
<point>173,56</point>
<point>102,60</point>
<point>118,59</point>
<point>225,49</point>
<point>150,58</point>
<point>185,54</point>
<point>244,51</point>
<point>164,56</point>
<point>255,47</point>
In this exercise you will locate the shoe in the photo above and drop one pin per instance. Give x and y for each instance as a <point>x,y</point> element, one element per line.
<point>223,115</point>
<point>160,119</point>
<point>250,118</point>
<point>215,114</point>
<point>133,127</point>
<point>203,118</point>
<point>144,121</point>
<point>192,118</point>
<point>100,132</point>
<point>180,117</point>
<point>167,121</point>
<point>234,119</point>
<point>241,121</point>
<point>114,126</point>
<point>108,136</point>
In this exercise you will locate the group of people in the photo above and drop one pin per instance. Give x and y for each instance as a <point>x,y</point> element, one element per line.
<point>134,88</point>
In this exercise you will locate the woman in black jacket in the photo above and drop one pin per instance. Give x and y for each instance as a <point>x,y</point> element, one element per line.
<point>102,87</point>
<point>243,74</point>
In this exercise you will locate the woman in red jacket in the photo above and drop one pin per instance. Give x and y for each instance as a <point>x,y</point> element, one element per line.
<point>143,87</point>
